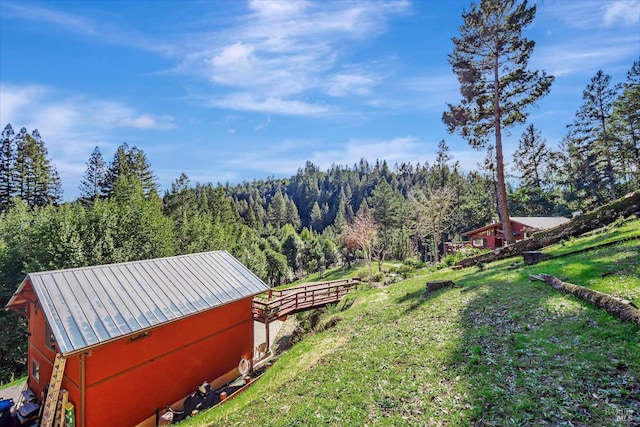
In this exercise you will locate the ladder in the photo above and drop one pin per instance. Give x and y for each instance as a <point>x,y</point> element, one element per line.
<point>51,402</point>
<point>62,401</point>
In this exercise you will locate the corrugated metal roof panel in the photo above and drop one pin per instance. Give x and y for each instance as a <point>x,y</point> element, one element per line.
<point>541,223</point>
<point>91,305</point>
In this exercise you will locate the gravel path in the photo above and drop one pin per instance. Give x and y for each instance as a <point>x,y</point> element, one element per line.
<point>13,392</point>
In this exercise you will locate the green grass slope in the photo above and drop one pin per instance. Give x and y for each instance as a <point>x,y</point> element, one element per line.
<point>495,350</point>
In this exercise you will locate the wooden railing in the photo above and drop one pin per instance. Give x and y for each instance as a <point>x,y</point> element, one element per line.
<point>279,302</point>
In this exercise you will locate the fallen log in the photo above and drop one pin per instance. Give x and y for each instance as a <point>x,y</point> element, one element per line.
<point>620,308</point>
<point>437,285</point>
<point>579,225</point>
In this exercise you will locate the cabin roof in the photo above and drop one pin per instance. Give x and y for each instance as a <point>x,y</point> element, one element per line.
<point>540,222</point>
<point>89,306</point>
<point>533,222</point>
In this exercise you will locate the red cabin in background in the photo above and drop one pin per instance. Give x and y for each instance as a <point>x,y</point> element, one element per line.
<point>492,236</point>
<point>138,336</point>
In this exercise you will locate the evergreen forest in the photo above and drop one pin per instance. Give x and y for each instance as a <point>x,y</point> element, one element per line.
<point>284,229</point>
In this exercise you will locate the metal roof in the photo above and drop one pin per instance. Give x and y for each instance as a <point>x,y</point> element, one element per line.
<point>540,222</point>
<point>89,306</point>
<point>535,222</point>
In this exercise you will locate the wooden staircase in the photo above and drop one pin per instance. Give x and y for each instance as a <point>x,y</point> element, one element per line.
<point>51,401</point>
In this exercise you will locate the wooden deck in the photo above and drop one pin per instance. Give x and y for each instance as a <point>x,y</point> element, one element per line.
<point>277,303</point>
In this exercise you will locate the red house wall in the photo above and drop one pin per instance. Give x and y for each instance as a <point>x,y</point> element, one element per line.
<point>126,381</point>
<point>494,239</point>
<point>38,351</point>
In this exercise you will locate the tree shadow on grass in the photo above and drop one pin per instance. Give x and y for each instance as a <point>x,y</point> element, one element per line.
<point>533,356</point>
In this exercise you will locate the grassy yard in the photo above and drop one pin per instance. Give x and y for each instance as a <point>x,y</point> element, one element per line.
<point>496,349</point>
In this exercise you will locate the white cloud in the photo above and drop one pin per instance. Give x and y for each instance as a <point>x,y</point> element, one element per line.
<point>285,157</point>
<point>72,125</point>
<point>346,84</point>
<point>585,54</point>
<point>234,65</point>
<point>44,15</point>
<point>91,27</point>
<point>247,102</point>
<point>277,9</point>
<point>282,51</point>
<point>626,12</point>
<point>594,14</point>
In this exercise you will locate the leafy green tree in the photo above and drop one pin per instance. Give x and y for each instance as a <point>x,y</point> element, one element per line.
<point>433,213</point>
<point>15,251</point>
<point>490,59</point>
<point>292,248</point>
<point>92,184</point>
<point>362,235</point>
<point>276,266</point>
<point>254,259</point>
<point>142,231</point>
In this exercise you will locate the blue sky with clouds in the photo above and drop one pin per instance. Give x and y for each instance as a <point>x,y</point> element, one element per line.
<point>240,90</point>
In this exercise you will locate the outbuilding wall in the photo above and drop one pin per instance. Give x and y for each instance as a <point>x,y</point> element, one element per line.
<point>128,379</point>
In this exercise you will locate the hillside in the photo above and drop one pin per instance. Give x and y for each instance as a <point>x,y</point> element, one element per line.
<point>496,349</point>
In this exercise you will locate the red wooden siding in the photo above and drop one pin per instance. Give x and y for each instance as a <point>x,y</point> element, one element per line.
<point>127,380</point>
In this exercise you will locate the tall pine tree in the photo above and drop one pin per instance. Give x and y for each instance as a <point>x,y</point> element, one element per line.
<point>130,163</point>
<point>92,184</point>
<point>591,142</point>
<point>626,116</point>
<point>7,166</point>
<point>490,59</point>
<point>35,179</point>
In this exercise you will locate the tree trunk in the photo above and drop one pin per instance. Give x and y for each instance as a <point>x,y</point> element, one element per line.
<point>623,310</point>
<point>597,218</point>
<point>503,206</point>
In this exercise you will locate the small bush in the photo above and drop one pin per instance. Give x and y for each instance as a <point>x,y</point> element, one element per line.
<point>377,276</point>
<point>412,262</point>
<point>405,271</point>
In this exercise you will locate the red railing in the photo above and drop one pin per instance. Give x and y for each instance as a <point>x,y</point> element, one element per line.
<point>279,302</point>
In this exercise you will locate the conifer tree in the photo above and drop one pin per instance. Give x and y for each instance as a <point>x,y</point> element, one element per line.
<point>141,170</point>
<point>277,212</point>
<point>35,180</point>
<point>531,158</point>
<point>490,59</point>
<point>626,115</point>
<point>590,144</point>
<point>293,217</point>
<point>317,218</point>
<point>132,163</point>
<point>387,210</point>
<point>7,166</point>
<point>92,184</point>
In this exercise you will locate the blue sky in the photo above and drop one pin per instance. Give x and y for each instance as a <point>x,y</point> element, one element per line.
<point>241,90</point>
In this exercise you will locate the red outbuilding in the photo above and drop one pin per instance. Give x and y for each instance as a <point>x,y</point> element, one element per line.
<point>492,236</point>
<point>138,336</point>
